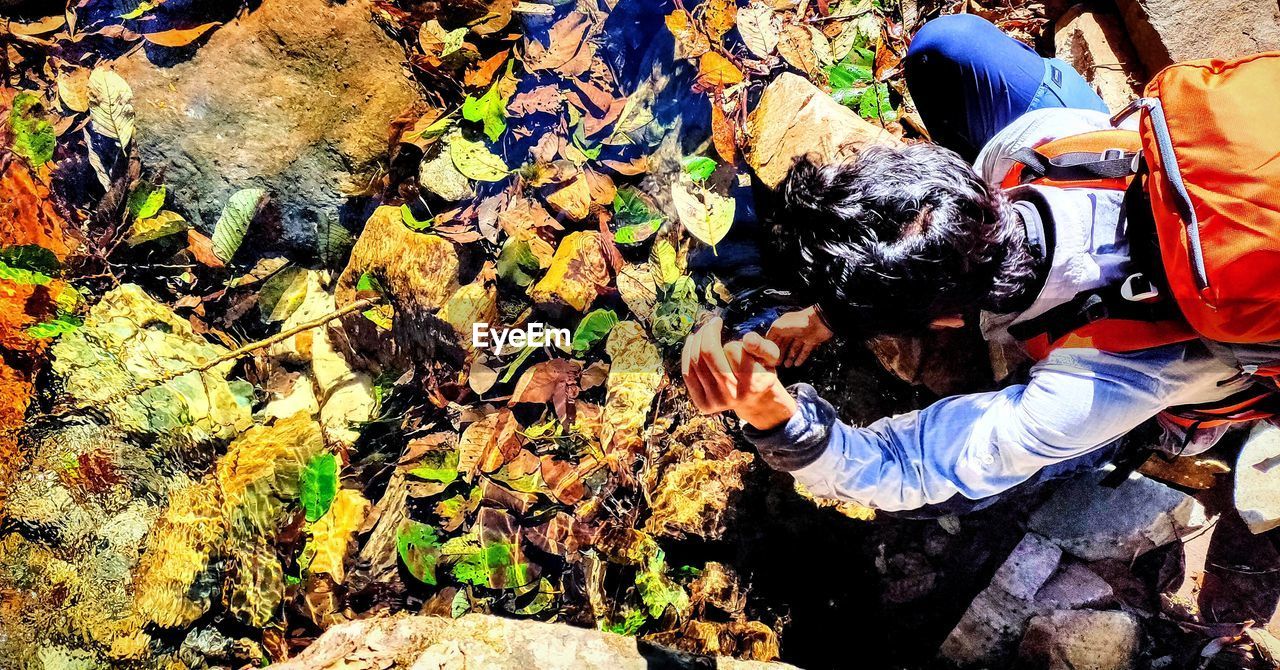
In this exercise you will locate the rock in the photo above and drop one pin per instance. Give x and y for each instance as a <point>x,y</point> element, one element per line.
<point>1170,31</point>
<point>128,341</point>
<point>994,622</point>
<point>1257,489</point>
<point>795,118</point>
<point>1081,640</point>
<point>1095,44</point>
<point>417,271</point>
<point>405,642</point>
<point>1093,522</point>
<point>293,97</point>
<point>1075,587</point>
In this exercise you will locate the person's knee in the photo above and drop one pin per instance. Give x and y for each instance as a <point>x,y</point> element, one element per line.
<point>950,38</point>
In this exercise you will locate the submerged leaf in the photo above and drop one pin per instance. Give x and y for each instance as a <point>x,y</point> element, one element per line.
<point>33,136</point>
<point>474,159</point>
<point>111,105</point>
<point>592,328</point>
<point>242,208</point>
<point>704,213</point>
<point>419,548</point>
<point>319,485</point>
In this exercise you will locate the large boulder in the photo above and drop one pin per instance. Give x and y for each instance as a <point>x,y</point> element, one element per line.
<point>1257,489</point>
<point>1095,44</point>
<point>1095,522</point>
<point>1170,31</point>
<point>293,97</point>
<point>404,642</point>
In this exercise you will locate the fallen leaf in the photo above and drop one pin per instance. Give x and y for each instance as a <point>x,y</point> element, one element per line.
<point>565,39</point>
<point>180,37</point>
<point>573,198</point>
<point>240,211</point>
<point>716,71</point>
<point>691,42</point>
<point>707,215</point>
<point>111,105</point>
<point>723,133</point>
<point>720,17</point>
<point>474,159</point>
<point>759,26</point>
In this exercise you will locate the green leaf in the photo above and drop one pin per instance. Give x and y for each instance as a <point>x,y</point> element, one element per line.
<point>21,276</point>
<point>516,262</point>
<point>438,466</point>
<point>332,242</point>
<point>874,103</point>
<point>319,485</point>
<point>474,160</point>
<point>146,200</point>
<point>658,591</point>
<point>852,70</point>
<point>592,328</point>
<point>461,604</point>
<point>514,366</point>
<point>453,41</point>
<point>30,257</point>
<point>668,268</point>
<point>638,221</point>
<point>630,625</point>
<point>544,594</point>
<point>61,325</point>
<point>33,136</point>
<point>163,224</point>
<point>490,108</point>
<point>406,214</point>
<point>368,282</point>
<point>241,209</point>
<point>419,548</point>
<point>142,8</point>
<point>494,566</point>
<point>699,168</point>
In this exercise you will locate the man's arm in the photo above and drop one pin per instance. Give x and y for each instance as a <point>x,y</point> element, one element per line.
<point>981,444</point>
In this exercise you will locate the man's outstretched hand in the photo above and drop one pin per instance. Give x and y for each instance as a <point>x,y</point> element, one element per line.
<point>798,334</point>
<point>739,376</point>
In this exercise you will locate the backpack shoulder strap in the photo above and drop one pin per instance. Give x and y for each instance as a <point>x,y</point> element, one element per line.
<point>1105,159</point>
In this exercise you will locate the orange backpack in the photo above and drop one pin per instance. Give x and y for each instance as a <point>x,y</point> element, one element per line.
<point>1202,176</point>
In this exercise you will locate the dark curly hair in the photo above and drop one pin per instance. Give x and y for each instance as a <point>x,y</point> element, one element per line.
<point>901,236</point>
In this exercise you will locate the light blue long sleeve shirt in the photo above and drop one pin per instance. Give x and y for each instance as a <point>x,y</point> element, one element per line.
<point>982,444</point>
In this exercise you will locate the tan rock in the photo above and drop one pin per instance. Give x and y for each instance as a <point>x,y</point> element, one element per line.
<point>405,642</point>
<point>1257,489</point>
<point>293,96</point>
<point>794,118</point>
<point>1095,44</point>
<point>1169,31</point>
<point>1081,640</point>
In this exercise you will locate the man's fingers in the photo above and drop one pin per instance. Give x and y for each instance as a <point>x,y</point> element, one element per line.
<point>763,350</point>
<point>711,353</point>
<point>686,356</point>
<point>805,352</point>
<point>696,393</point>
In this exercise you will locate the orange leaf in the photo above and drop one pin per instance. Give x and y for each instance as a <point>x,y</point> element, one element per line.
<point>723,133</point>
<point>480,75</point>
<point>716,71</point>
<point>180,37</point>
<point>201,248</point>
<point>721,16</point>
<point>690,40</point>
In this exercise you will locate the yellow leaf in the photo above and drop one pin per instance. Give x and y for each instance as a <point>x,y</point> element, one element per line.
<point>474,159</point>
<point>180,37</point>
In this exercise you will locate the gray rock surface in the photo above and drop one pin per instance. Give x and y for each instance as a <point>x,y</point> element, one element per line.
<point>493,643</point>
<point>1094,42</point>
<point>1081,640</point>
<point>1093,522</point>
<point>1257,489</point>
<point>1034,581</point>
<point>1169,31</point>
<point>294,97</point>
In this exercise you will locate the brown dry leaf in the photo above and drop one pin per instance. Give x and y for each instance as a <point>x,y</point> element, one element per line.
<point>505,444</point>
<point>720,17</point>
<point>496,17</point>
<point>691,42</point>
<point>554,381</point>
<point>201,248</point>
<point>639,289</point>
<point>716,71</point>
<point>564,478</point>
<point>724,134</point>
<point>573,199</point>
<point>758,25</point>
<point>473,443</point>
<point>798,46</point>
<point>545,99</point>
<point>180,37</point>
<point>602,188</point>
<point>566,40</point>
